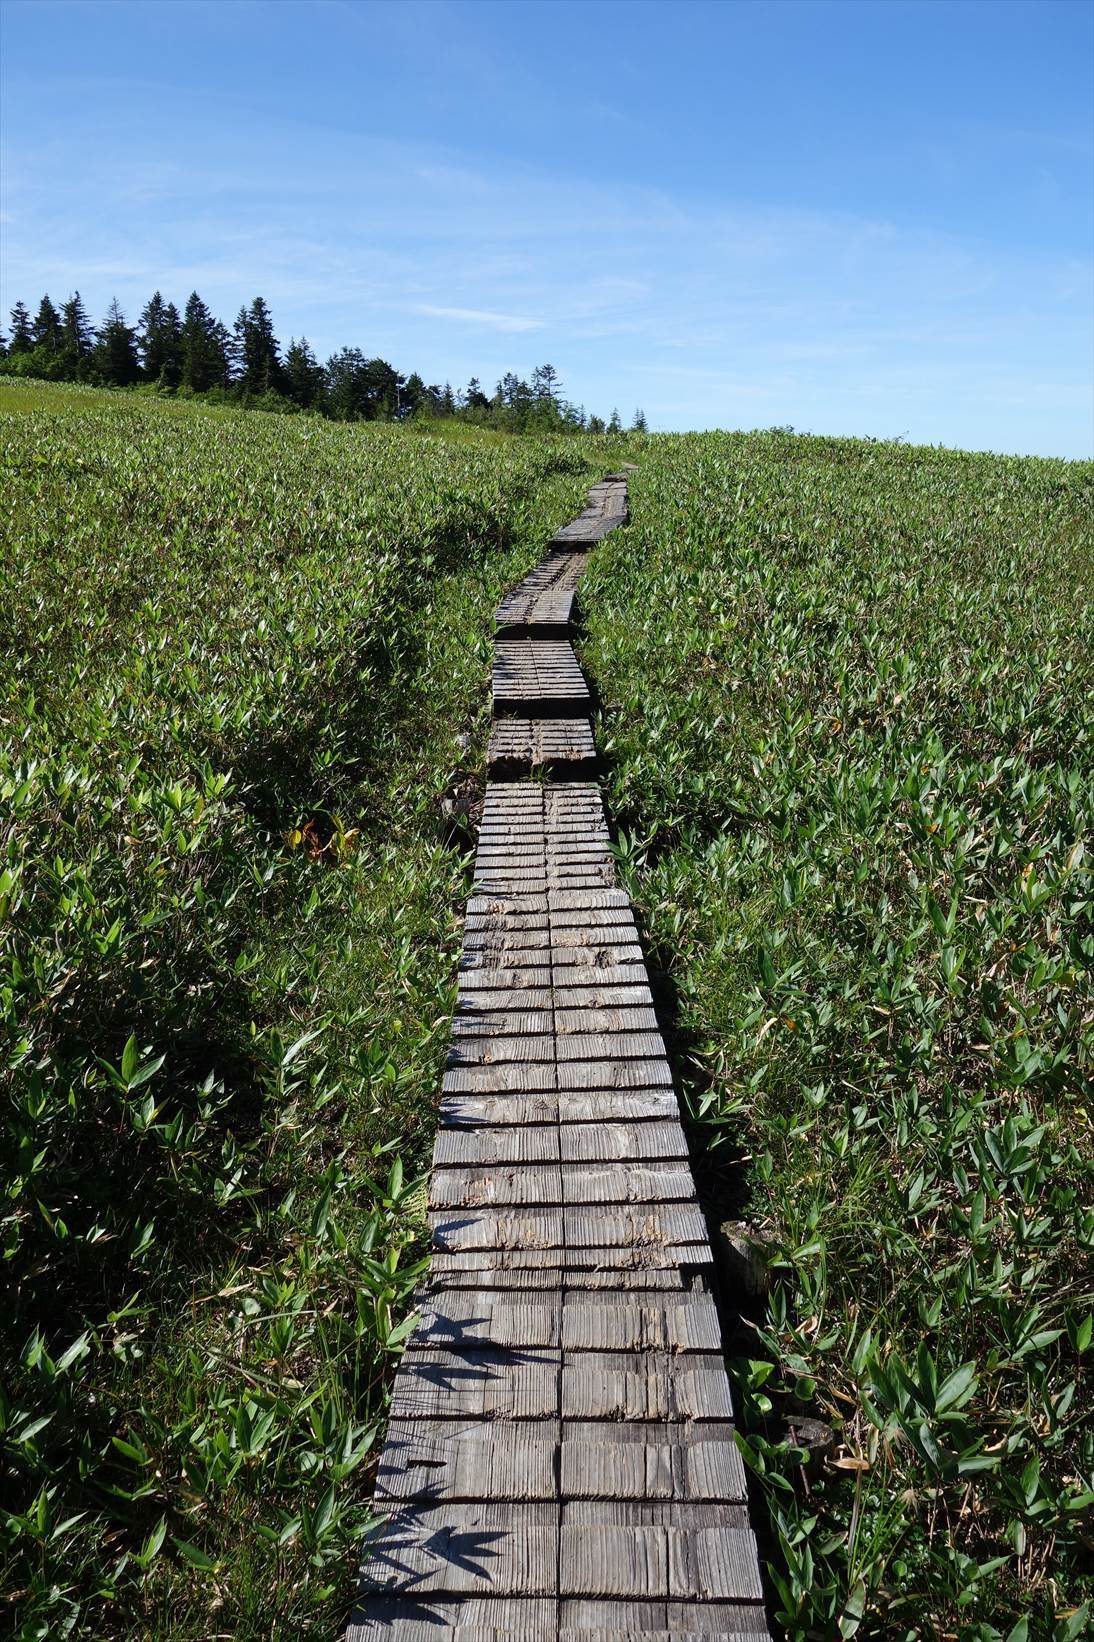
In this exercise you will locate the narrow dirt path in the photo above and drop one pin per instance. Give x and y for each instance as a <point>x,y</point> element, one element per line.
<point>560,1461</point>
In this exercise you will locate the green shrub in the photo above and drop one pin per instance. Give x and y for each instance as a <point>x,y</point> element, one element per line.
<point>848,706</point>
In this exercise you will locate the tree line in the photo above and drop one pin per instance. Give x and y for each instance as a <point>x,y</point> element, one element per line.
<point>193,352</point>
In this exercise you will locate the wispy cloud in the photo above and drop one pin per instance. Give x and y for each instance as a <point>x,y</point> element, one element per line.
<point>480,316</point>
<point>705,310</point>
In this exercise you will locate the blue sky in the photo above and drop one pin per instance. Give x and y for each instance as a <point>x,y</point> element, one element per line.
<point>864,217</point>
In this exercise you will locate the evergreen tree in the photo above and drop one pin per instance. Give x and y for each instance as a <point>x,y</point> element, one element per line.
<point>222,353</point>
<point>22,334</point>
<point>116,349</point>
<point>614,423</point>
<point>516,398</point>
<point>344,394</point>
<point>160,341</point>
<point>171,370</point>
<point>150,327</point>
<point>203,353</point>
<point>257,358</point>
<point>77,335</point>
<point>361,390</point>
<point>412,397</point>
<point>596,424</point>
<point>46,331</point>
<point>384,386</point>
<point>546,384</point>
<point>639,425</point>
<point>303,373</point>
<point>474,399</point>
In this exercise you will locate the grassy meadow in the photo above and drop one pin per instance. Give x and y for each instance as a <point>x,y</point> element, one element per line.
<point>244,714</point>
<point>845,702</point>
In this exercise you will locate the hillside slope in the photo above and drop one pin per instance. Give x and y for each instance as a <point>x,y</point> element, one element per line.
<point>847,697</point>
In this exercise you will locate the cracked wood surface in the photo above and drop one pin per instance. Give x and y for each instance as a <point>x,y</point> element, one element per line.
<point>560,1463</point>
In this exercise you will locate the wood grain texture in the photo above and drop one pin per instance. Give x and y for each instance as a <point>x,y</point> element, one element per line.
<point>560,1459</point>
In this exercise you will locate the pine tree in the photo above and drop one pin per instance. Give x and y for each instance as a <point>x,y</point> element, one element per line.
<point>150,327</point>
<point>303,373</point>
<point>345,395</point>
<point>639,425</point>
<point>257,362</point>
<point>22,335</point>
<point>546,384</point>
<point>46,332</point>
<point>383,385</point>
<point>474,399</point>
<point>77,335</point>
<point>116,349</point>
<point>171,369</point>
<point>161,341</point>
<point>614,423</point>
<point>516,396</point>
<point>222,354</point>
<point>413,396</point>
<point>204,363</point>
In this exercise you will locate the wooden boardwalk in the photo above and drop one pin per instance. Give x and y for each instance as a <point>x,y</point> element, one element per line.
<point>559,1464</point>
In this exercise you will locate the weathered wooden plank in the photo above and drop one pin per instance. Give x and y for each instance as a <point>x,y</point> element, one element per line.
<point>507,919</point>
<point>611,1046</point>
<point>626,1182</point>
<point>480,1002</point>
<point>581,901</point>
<point>471,1319</point>
<point>503,1023</point>
<point>625,1322</point>
<point>410,1618</point>
<point>653,1386</point>
<point>655,1513</point>
<point>526,1231</point>
<point>504,1549</point>
<point>598,1620</point>
<point>524,1185</point>
<point>641,1562</point>
<point>616,1074</point>
<point>673,1463</point>
<point>571,1022</point>
<point>448,1276</point>
<point>504,980</point>
<point>468,1460</point>
<point>487,1050</point>
<point>608,919</point>
<point>500,906</point>
<point>573,959</point>
<point>601,1107</point>
<point>645,1227</point>
<point>510,882</point>
<point>518,1077</point>
<point>594,1142</point>
<point>486,1383</point>
<point>607,1258</point>
<point>482,1145</point>
<point>531,743</point>
<point>598,994</point>
<point>622,932</point>
<point>709,1627</point>
<point>465,1112</point>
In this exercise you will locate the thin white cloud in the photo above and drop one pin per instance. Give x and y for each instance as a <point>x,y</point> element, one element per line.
<point>480,316</point>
